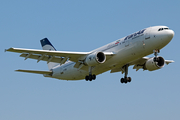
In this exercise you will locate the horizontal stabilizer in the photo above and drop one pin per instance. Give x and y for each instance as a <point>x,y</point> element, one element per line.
<point>36,71</point>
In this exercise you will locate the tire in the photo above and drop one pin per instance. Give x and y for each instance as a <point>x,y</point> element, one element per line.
<point>93,77</point>
<point>129,79</point>
<point>125,81</point>
<point>90,77</point>
<point>122,80</point>
<point>87,78</point>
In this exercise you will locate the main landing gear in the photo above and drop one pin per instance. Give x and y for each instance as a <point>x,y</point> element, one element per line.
<point>125,79</point>
<point>90,77</point>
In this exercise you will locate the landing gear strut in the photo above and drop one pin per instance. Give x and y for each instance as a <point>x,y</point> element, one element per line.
<point>90,77</point>
<point>125,79</point>
<point>156,54</point>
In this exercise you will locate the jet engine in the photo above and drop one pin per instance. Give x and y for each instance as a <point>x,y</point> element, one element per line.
<point>95,58</point>
<point>154,63</point>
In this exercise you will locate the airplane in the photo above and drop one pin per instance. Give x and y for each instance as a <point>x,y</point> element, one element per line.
<point>116,56</point>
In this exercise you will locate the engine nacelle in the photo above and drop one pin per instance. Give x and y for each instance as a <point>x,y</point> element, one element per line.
<point>95,58</point>
<point>153,64</point>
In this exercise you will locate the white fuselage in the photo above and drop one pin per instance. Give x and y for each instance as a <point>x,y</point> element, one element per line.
<point>126,49</point>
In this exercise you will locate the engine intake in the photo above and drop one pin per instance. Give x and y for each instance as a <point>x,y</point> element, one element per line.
<point>95,58</point>
<point>154,63</point>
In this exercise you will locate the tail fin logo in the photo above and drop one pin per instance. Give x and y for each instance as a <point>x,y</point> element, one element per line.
<point>46,45</point>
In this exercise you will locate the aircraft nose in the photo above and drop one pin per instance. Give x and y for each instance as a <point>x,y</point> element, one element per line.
<point>170,34</point>
<point>167,35</point>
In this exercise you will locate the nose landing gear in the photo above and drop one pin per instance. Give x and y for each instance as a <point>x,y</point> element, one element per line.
<point>156,54</point>
<point>126,80</point>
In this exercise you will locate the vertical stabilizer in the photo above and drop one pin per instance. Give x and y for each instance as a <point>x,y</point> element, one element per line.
<point>46,45</point>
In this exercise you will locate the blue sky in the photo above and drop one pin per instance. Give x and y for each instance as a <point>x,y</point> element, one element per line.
<point>82,26</point>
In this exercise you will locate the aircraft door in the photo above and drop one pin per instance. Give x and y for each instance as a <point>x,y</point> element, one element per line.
<point>126,43</point>
<point>147,34</point>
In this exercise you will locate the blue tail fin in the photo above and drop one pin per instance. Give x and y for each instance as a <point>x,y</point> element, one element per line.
<point>46,45</point>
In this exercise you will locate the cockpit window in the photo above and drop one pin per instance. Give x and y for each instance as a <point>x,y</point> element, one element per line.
<point>160,29</point>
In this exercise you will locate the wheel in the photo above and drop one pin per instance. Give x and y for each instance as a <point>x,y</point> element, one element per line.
<point>90,77</point>
<point>122,80</point>
<point>93,77</point>
<point>87,78</point>
<point>129,79</point>
<point>125,81</point>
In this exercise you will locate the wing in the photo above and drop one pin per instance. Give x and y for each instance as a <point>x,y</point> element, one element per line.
<point>49,56</point>
<point>52,56</point>
<point>138,64</point>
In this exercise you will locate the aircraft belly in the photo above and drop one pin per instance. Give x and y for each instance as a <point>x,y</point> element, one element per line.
<point>68,73</point>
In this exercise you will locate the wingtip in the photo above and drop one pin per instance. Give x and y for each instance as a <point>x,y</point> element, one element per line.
<point>9,49</point>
